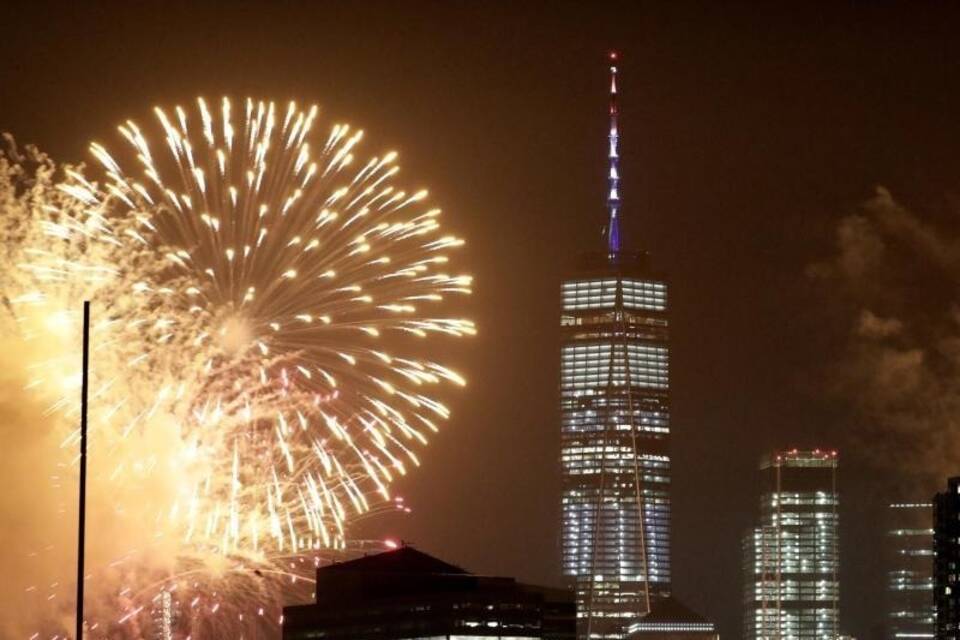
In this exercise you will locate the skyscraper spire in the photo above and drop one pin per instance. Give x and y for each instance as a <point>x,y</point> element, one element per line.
<point>613,197</point>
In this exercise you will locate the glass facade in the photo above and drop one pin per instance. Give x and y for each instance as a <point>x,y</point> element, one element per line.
<point>614,405</point>
<point>792,557</point>
<point>911,614</point>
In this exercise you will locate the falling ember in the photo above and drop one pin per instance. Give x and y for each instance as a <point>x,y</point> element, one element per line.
<point>259,373</point>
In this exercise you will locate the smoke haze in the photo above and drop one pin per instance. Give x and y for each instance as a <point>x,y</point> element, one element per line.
<point>895,274</point>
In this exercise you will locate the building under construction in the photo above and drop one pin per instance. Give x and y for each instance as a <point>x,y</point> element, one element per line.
<point>911,614</point>
<point>792,556</point>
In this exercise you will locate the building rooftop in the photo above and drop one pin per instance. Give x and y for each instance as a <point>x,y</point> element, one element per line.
<point>672,610</point>
<point>670,613</point>
<point>405,560</point>
<point>801,458</point>
<point>405,593</point>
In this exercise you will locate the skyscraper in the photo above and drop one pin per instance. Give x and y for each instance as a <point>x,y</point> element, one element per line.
<point>614,406</point>
<point>792,556</point>
<point>910,611</point>
<point>946,564</point>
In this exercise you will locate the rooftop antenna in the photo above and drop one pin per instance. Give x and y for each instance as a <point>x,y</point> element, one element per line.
<point>83,465</point>
<point>613,157</point>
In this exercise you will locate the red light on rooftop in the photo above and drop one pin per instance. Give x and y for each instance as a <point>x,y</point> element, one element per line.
<point>614,55</point>
<point>391,544</point>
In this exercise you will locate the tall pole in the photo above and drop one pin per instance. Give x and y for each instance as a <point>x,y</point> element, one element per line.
<point>83,465</point>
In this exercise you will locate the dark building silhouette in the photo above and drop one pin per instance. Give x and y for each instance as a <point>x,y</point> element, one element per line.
<point>946,565</point>
<point>408,594</point>
<point>615,426</point>
<point>910,611</point>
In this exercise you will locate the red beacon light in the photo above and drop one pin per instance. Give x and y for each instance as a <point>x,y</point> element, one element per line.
<point>614,55</point>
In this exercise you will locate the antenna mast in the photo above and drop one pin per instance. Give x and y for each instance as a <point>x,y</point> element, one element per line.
<point>613,156</point>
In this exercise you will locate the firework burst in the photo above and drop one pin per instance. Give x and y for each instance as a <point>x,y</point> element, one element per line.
<point>261,300</point>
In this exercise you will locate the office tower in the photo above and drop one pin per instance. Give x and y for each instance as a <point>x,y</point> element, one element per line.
<point>910,611</point>
<point>165,615</point>
<point>615,426</point>
<point>406,594</point>
<point>792,557</point>
<point>946,561</point>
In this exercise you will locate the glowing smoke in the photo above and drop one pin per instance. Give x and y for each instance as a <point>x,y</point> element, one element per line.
<point>898,278</point>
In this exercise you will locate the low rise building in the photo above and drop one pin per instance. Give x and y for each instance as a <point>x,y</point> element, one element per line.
<point>407,594</point>
<point>670,619</point>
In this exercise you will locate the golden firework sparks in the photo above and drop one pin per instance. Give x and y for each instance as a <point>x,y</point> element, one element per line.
<point>262,296</point>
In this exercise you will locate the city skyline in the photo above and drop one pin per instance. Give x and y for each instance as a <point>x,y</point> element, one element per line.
<point>756,136</point>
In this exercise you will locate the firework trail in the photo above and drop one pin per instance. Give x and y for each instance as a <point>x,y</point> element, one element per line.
<point>261,301</point>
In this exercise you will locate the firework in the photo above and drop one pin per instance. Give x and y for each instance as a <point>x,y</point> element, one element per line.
<point>262,300</point>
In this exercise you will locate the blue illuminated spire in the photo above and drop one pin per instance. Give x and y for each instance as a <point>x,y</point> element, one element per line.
<point>613,197</point>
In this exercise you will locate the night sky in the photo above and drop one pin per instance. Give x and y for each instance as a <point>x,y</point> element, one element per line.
<point>748,132</point>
